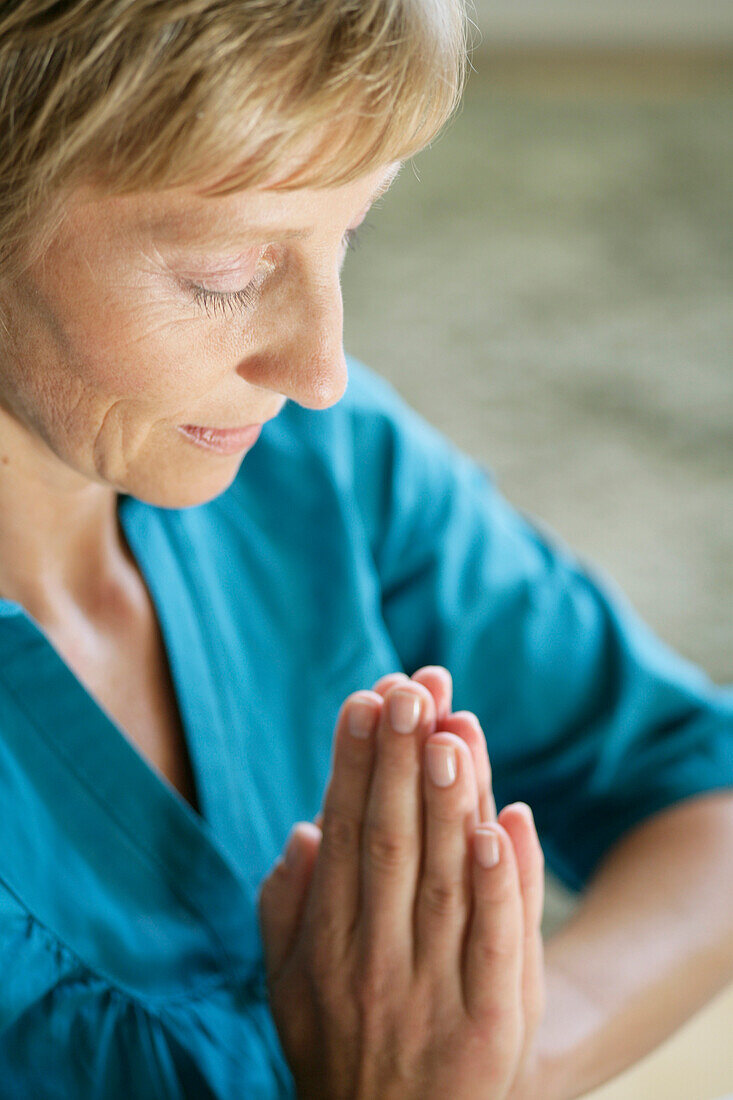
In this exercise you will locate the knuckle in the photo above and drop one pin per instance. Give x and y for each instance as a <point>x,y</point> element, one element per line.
<point>495,952</point>
<point>340,834</point>
<point>372,984</point>
<point>503,892</point>
<point>444,897</point>
<point>388,851</point>
<point>322,978</point>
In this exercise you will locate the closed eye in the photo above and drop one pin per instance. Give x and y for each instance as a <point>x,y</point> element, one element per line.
<point>231,302</point>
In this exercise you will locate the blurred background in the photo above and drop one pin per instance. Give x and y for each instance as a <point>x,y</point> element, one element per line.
<point>551,285</point>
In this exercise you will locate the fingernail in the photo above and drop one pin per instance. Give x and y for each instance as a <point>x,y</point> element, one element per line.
<point>486,847</point>
<point>441,764</point>
<point>404,711</point>
<point>292,850</point>
<point>362,719</point>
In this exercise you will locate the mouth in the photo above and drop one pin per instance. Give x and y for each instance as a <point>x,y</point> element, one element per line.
<point>226,440</point>
<point>221,440</point>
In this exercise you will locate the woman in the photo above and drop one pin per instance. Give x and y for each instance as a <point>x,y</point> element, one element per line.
<point>188,608</point>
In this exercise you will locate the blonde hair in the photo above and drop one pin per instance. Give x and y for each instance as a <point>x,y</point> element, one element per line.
<point>139,94</point>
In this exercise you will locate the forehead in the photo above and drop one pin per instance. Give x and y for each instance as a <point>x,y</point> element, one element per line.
<point>254,213</point>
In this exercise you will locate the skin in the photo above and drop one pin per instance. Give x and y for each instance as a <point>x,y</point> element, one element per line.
<point>109,352</point>
<point>398,965</point>
<point>650,943</point>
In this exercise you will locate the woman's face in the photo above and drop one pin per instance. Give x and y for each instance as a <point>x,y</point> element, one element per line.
<point>169,308</point>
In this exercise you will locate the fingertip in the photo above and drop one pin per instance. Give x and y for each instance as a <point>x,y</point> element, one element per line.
<point>486,846</point>
<point>424,714</point>
<point>496,826</point>
<point>495,860</point>
<point>302,842</point>
<point>522,809</point>
<point>368,695</point>
<point>308,832</point>
<point>518,820</point>
<point>384,683</point>
<point>439,682</point>
<point>362,711</point>
<point>463,756</point>
<point>435,672</point>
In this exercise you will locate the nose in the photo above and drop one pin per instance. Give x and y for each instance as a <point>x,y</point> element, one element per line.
<point>306,360</point>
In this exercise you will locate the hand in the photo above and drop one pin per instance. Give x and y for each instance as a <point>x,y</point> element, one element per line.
<point>397,966</point>
<point>463,723</point>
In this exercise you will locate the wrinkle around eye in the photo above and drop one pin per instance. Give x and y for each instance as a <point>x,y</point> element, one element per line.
<point>236,281</point>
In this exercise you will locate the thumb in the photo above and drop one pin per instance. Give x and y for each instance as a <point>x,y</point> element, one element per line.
<point>283,893</point>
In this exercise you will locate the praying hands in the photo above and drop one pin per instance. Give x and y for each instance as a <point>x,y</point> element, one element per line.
<point>402,933</point>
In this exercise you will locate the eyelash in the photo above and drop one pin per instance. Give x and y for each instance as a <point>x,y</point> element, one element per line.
<point>239,301</point>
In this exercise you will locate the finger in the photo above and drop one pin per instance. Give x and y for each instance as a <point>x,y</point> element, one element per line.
<point>518,821</point>
<point>467,726</point>
<point>392,833</point>
<point>439,683</point>
<point>334,895</point>
<point>493,959</point>
<point>282,895</point>
<point>444,889</point>
<point>384,683</point>
<point>435,678</point>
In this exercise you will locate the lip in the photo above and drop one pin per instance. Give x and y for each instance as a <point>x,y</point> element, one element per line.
<point>225,441</point>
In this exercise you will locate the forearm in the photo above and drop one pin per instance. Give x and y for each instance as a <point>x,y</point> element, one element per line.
<point>651,942</point>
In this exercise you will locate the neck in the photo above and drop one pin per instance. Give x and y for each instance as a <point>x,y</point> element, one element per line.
<point>60,539</point>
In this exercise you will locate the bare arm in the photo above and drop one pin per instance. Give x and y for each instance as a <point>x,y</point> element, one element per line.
<point>651,942</point>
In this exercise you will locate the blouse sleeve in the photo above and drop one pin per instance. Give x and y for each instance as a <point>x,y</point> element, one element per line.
<point>588,716</point>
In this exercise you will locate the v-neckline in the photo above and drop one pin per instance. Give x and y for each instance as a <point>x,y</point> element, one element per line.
<point>183,720</point>
<point>110,770</point>
<point>181,622</point>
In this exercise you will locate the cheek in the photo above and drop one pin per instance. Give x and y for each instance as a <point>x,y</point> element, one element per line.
<point>127,341</point>
<point>132,348</point>
<point>40,383</point>
<point>93,382</point>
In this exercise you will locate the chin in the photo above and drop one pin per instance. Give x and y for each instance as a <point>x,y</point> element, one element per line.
<point>178,491</point>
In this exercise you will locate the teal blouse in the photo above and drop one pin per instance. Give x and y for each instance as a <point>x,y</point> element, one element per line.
<point>352,542</point>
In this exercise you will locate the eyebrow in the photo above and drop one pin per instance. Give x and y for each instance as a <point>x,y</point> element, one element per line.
<point>173,223</point>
